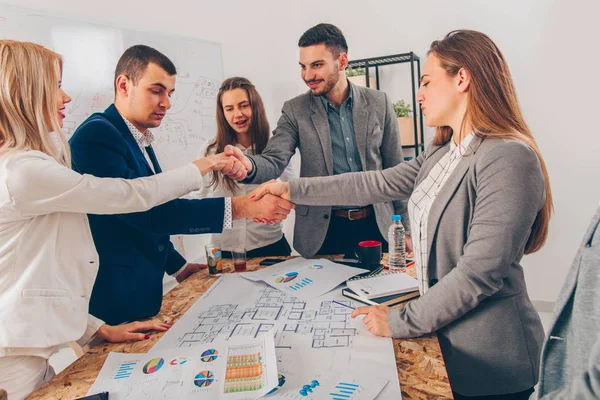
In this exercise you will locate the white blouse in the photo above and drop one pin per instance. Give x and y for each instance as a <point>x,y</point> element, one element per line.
<point>244,232</point>
<point>48,261</point>
<point>420,203</point>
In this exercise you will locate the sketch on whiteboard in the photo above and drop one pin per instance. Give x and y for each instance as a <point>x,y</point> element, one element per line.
<point>88,75</point>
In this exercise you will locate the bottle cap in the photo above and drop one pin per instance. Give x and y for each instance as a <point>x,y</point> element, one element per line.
<point>396,218</point>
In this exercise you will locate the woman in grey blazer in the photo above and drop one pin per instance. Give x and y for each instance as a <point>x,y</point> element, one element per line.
<point>479,199</point>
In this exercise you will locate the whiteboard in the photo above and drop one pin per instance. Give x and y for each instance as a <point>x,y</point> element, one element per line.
<point>90,53</point>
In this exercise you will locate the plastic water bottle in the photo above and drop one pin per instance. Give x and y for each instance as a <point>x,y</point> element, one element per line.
<point>397,244</point>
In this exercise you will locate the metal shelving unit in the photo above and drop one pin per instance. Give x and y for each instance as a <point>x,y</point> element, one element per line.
<point>411,58</point>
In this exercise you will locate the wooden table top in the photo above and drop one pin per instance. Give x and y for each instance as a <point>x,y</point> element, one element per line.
<point>421,369</point>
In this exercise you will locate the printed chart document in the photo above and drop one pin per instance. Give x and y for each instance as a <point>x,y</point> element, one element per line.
<point>240,369</point>
<point>304,278</point>
<point>313,338</point>
<point>325,384</point>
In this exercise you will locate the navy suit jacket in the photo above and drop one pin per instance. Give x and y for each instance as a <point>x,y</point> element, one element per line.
<point>135,250</point>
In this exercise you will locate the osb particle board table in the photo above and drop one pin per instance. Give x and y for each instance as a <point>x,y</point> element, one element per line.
<point>421,368</point>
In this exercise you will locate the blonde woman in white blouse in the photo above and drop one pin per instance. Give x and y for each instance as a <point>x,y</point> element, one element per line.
<point>48,262</point>
<point>242,122</point>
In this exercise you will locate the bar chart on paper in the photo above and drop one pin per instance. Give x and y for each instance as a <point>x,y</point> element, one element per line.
<point>304,278</point>
<point>301,284</point>
<point>332,385</point>
<point>246,369</point>
<point>344,391</point>
<point>124,370</point>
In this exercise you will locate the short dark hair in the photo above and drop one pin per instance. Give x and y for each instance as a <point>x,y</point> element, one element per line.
<point>135,60</point>
<point>330,35</point>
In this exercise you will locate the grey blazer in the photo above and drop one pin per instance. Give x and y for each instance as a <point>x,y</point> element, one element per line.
<point>478,226</point>
<point>304,125</point>
<point>571,354</point>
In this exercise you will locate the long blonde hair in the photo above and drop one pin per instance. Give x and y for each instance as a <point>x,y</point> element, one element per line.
<point>29,81</point>
<point>492,106</point>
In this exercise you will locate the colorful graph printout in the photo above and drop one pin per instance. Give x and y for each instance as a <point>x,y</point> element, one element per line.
<point>178,361</point>
<point>344,391</point>
<point>124,370</point>
<point>290,276</point>
<point>245,371</point>
<point>153,365</point>
<point>180,373</point>
<point>209,355</point>
<point>303,278</point>
<point>204,378</point>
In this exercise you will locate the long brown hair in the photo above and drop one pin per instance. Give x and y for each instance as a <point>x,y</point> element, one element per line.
<point>29,81</point>
<point>258,130</point>
<point>492,106</point>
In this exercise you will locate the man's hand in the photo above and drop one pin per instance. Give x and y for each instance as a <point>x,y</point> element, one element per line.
<point>409,244</point>
<point>376,319</point>
<point>221,162</point>
<point>279,189</point>
<point>126,332</point>
<point>269,208</point>
<point>233,151</point>
<point>190,269</point>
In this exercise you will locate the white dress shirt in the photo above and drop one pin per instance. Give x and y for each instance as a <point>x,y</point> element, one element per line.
<point>144,140</point>
<point>420,203</point>
<point>48,262</point>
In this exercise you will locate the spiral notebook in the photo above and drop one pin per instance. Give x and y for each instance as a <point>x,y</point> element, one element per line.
<point>386,284</point>
<point>382,301</point>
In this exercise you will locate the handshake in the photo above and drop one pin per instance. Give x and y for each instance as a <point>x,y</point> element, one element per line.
<point>269,203</point>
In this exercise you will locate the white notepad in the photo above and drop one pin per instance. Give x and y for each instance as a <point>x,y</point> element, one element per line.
<point>383,285</point>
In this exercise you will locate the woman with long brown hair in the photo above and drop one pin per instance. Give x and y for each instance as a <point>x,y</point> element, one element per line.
<point>242,122</point>
<point>48,262</point>
<point>479,198</point>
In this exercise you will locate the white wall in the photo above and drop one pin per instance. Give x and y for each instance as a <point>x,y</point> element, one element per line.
<point>551,47</point>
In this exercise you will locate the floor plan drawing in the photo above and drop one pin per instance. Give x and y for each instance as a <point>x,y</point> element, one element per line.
<point>311,336</point>
<point>328,325</point>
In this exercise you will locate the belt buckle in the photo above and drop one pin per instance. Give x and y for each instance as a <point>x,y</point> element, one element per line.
<point>350,215</point>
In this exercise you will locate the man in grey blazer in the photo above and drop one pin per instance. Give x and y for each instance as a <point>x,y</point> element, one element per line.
<point>570,367</point>
<point>338,127</point>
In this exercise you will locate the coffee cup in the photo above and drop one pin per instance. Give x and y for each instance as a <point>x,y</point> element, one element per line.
<point>369,253</point>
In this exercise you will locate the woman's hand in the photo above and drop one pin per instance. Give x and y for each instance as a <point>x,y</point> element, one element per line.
<point>273,187</point>
<point>131,331</point>
<point>376,319</point>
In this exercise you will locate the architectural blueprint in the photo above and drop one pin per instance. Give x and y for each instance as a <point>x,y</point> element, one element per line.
<point>312,337</point>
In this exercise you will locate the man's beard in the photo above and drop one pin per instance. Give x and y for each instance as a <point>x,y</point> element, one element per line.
<point>330,83</point>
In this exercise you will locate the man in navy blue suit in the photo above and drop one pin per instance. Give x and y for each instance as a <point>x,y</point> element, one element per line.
<point>135,250</point>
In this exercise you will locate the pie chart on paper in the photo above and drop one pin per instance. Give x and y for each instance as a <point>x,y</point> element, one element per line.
<point>290,276</point>
<point>179,361</point>
<point>209,355</point>
<point>204,378</point>
<point>153,366</point>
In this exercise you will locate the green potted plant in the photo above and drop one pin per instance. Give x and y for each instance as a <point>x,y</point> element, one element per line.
<point>406,125</point>
<point>358,77</point>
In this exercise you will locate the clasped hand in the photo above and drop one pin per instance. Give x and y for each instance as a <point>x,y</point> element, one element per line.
<point>270,189</point>
<point>228,165</point>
